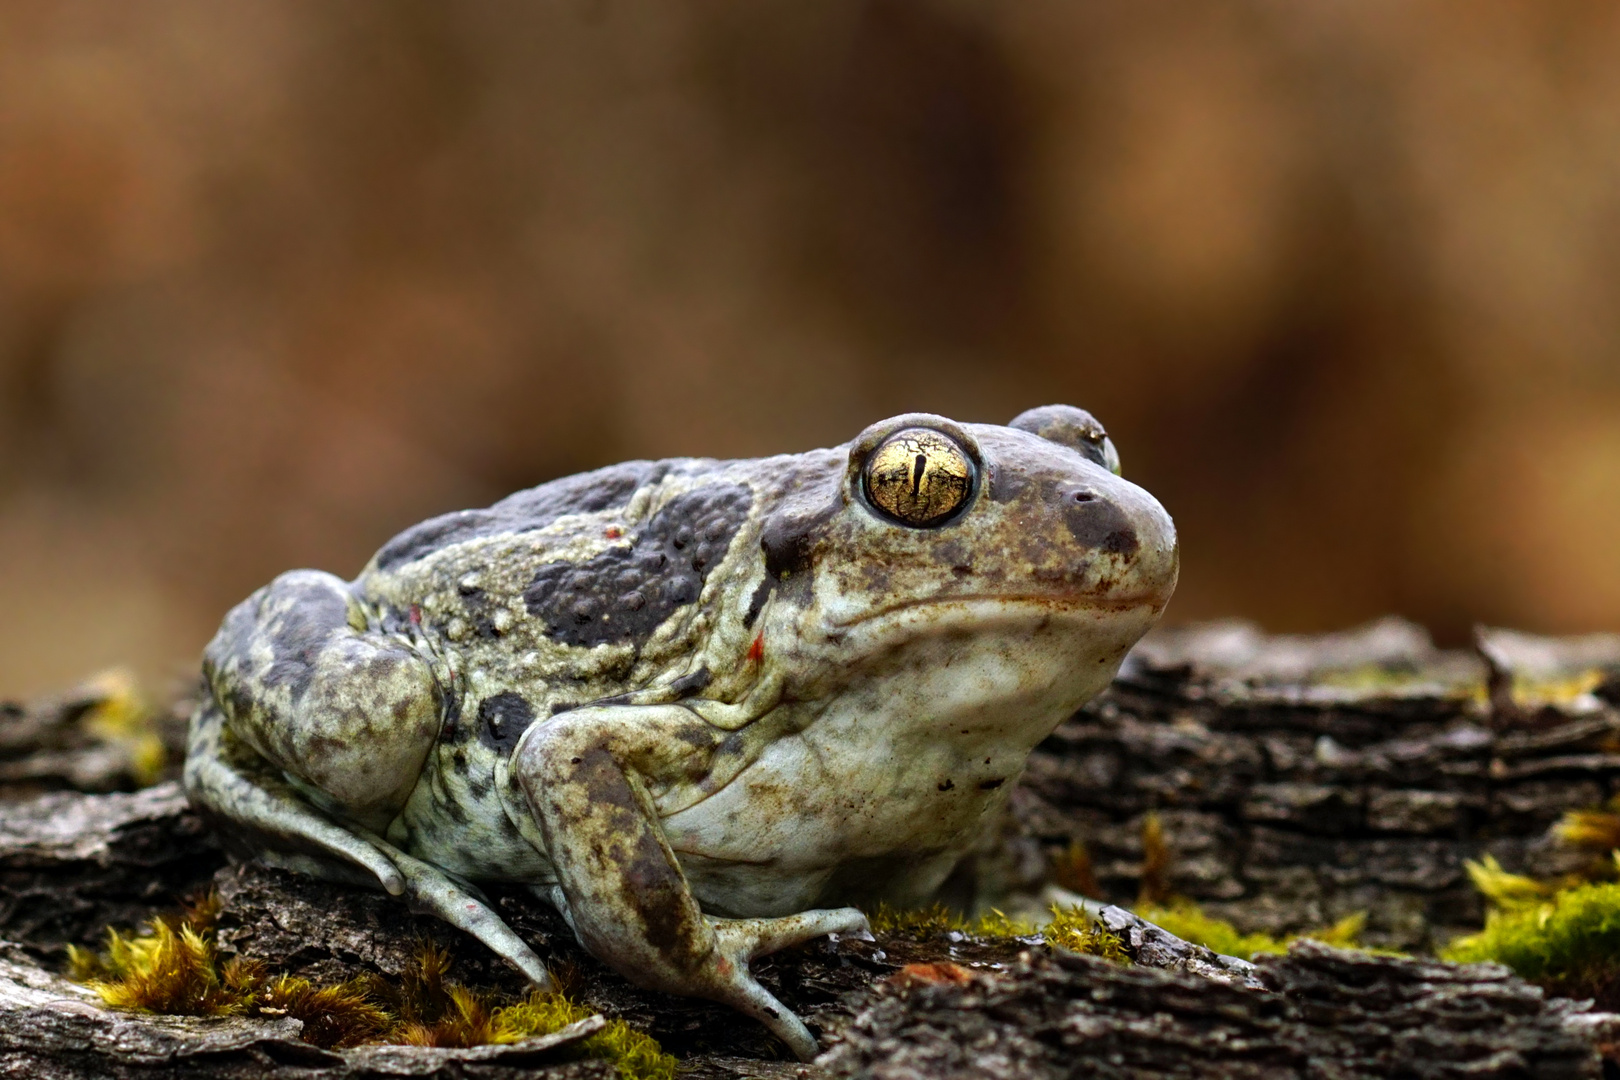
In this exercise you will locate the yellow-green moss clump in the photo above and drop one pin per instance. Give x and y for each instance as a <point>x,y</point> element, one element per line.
<point>174,968</point>
<point>1075,930</point>
<point>124,717</point>
<point>1070,928</point>
<point>638,1056</point>
<point>939,919</point>
<point>1563,934</point>
<point>1186,921</point>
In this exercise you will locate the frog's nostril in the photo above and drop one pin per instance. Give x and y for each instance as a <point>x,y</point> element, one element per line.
<point>1084,496</point>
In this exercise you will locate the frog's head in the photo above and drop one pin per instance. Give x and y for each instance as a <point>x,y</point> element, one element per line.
<point>988,576</point>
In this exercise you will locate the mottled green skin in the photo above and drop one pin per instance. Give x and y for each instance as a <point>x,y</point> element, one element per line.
<point>689,702</point>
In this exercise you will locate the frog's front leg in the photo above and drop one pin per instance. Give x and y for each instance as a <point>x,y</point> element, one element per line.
<point>584,774</point>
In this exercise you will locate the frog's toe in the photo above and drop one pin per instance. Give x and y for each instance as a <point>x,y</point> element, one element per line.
<point>760,937</point>
<point>756,1001</point>
<point>428,889</point>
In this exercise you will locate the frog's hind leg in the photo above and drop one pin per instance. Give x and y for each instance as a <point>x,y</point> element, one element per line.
<point>268,817</point>
<point>314,738</point>
<point>254,805</point>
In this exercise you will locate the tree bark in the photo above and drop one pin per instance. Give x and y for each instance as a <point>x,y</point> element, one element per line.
<point>1299,780</point>
<point>1296,780</point>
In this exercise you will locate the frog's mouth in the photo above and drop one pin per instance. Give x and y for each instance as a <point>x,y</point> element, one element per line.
<point>1034,604</point>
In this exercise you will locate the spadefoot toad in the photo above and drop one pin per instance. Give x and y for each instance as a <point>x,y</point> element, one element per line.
<point>691,703</point>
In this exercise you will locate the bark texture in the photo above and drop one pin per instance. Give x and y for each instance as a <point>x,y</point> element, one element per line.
<point>1323,1013</point>
<point>1299,780</point>
<point>72,864</point>
<point>1296,780</point>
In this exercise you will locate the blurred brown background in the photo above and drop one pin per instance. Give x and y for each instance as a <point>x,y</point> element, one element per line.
<point>280,278</point>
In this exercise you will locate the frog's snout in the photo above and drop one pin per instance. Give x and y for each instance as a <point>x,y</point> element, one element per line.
<point>1122,522</point>
<point>1098,522</point>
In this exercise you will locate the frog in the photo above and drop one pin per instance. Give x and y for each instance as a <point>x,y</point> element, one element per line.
<point>707,709</point>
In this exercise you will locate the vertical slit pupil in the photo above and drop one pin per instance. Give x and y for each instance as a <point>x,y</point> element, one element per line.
<point>917,467</point>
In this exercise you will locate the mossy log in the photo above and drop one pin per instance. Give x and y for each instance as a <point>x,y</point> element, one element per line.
<point>1298,780</point>
<point>1295,779</point>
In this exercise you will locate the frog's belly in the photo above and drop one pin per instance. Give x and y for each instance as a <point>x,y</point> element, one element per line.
<point>455,820</point>
<point>801,828</point>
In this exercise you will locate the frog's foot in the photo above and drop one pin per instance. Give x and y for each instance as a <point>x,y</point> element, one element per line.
<point>430,890</point>
<point>737,941</point>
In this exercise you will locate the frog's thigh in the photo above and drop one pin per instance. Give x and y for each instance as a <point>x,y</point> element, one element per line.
<point>302,681</point>
<point>250,799</point>
<point>254,801</point>
<point>618,878</point>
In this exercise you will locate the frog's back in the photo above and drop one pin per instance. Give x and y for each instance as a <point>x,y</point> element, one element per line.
<point>526,511</point>
<point>560,588</point>
<point>588,588</point>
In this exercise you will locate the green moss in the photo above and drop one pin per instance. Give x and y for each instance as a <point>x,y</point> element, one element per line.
<point>168,970</point>
<point>1074,929</point>
<point>635,1055</point>
<point>996,924</point>
<point>1512,891</point>
<point>1558,689</point>
<point>334,1016</point>
<point>1156,859</point>
<point>1070,928</point>
<point>172,968</point>
<point>921,922</point>
<point>1187,922</point>
<point>939,919</point>
<point>1596,830</point>
<point>175,968</point>
<point>123,717</point>
<point>1572,937</point>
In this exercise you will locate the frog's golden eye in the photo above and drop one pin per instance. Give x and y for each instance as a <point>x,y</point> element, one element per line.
<point>918,477</point>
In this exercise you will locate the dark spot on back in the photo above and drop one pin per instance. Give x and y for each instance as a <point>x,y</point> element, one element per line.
<point>480,612</point>
<point>502,720</point>
<point>314,612</point>
<point>698,735</point>
<point>456,811</point>
<point>526,511</point>
<point>756,603</point>
<point>789,539</point>
<point>625,593</point>
<point>694,683</point>
<point>325,746</point>
<point>991,785</point>
<point>948,785</point>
